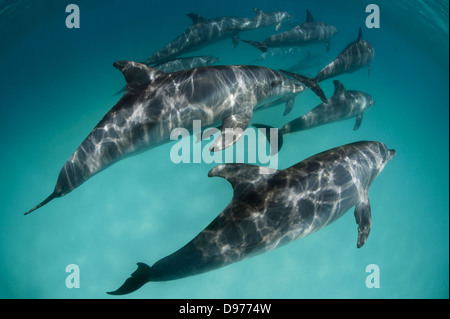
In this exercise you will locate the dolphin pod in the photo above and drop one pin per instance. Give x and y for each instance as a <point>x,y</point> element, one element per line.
<point>271,209</point>
<point>341,106</point>
<point>355,56</point>
<point>206,31</point>
<point>307,33</point>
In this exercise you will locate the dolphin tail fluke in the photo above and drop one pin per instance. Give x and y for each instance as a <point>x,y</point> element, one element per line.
<point>313,84</point>
<point>274,148</point>
<point>139,278</point>
<point>259,45</point>
<point>48,199</point>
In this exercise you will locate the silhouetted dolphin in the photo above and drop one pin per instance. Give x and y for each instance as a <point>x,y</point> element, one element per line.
<point>270,210</point>
<point>206,31</point>
<point>341,106</point>
<point>155,103</point>
<point>356,55</point>
<point>309,32</point>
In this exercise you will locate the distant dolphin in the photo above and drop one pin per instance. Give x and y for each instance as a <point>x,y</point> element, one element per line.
<point>342,105</point>
<point>309,32</point>
<point>206,31</point>
<point>356,55</point>
<point>309,61</point>
<point>155,103</point>
<point>270,210</point>
<point>180,64</point>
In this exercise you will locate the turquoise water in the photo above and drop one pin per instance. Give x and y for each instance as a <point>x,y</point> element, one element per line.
<point>57,83</point>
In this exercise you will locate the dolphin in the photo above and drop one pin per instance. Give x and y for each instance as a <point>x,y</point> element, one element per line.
<point>307,33</point>
<point>341,106</point>
<point>270,210</point>
<point>309,61</point>
<point>206,31</point>
<point>356,55</point>
<point>155,103</point>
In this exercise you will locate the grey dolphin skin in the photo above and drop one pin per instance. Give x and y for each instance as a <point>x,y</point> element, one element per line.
<point>307,33</point>
<point>355,56</point>
<point>155,103</point>
<point>206,31</point>
<point>270,210</point>
<point>341,106</point>
<point>180,64</point>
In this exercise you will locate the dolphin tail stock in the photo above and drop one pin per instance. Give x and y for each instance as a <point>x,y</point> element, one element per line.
<point>313,84</point>
<point>137,279</point>
<point>48,199</point>
<point>259,45</point>
<point>274,148</point>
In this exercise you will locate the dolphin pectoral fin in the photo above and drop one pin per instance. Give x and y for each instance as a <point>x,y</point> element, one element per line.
<point>233,128</point>
<point>364,221</point>
<point>235,40</point>
<point>328,46</point>
<point>207,133</point>
<point>48,199</point>
<point>358,121</point>
<point>139,278</point>
<point>289,106</point>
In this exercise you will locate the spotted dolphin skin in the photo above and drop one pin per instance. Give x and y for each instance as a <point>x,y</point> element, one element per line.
<point>270,210</point>
<point>341,106</point>
<point>355,56</point>
<point>307,33</point>
<point>155,103</point>
<point>206,31</point>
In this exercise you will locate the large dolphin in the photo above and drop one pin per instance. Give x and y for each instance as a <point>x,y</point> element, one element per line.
<point>206,31</point>
<point>309,32</point>
<point>155,103</point>
<point>270,210</point>
<point>341,106</point>
<point>356,55</point>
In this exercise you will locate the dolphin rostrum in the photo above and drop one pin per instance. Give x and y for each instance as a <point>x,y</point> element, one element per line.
<point>356,55</point>
<point>307,33</point>
<point>206,31</point>
<point>155,103</point>
<point>270,210</point>
<point>342,105</point>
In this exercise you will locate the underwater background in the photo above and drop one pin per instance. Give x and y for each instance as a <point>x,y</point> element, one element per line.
<point>57,83</point>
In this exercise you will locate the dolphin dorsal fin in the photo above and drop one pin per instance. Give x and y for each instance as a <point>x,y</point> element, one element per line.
<point>360,36</point>
<point>196,18</point>
<point>258,12</point>
<point>137,74</point>
<point>238,173</point>
<point>309,17</point>
<point>339,89</point>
